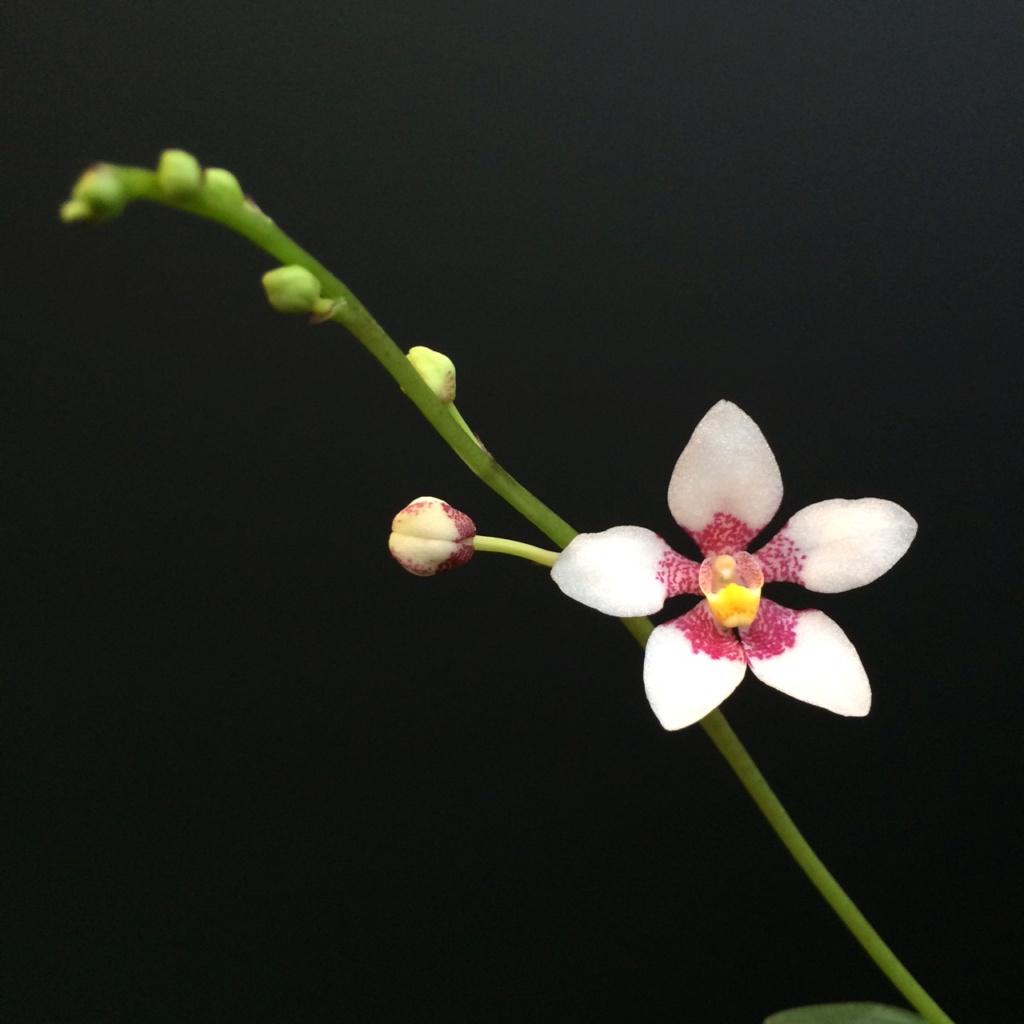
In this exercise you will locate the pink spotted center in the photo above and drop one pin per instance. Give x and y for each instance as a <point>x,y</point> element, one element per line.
<point>725,534</point>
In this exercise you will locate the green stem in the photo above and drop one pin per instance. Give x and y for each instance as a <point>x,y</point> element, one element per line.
<point>501,546</point>
<point>247,220</point>
<point>730,747</point>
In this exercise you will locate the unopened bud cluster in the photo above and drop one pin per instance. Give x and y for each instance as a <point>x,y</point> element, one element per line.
<point>104,189</point>
<point>429,536</point>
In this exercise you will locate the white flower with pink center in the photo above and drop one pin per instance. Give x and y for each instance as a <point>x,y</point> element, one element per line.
<point>725,488</point>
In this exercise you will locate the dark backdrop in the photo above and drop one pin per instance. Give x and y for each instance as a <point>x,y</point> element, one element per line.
<point>255,772</point>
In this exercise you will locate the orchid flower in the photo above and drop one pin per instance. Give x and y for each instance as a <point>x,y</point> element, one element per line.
<point>725,488</point>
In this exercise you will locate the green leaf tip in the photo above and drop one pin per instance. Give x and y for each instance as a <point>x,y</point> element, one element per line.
<point>845,1013</point>
<point>98,195</point>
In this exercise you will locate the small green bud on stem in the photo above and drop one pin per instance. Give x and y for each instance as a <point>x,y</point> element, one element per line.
<point>178,174</point>
<point>293,289</point>
<point>222,186</point>
<point>436,369</point>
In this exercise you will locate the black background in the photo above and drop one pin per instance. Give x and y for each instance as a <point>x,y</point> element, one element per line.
<point>254,771</point>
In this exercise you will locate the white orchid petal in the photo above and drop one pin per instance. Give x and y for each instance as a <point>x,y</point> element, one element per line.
<point>806,655</point>
<point>691,666</point>
<point>839,544</point>
<point>618,572</point>
<point>726,485</point>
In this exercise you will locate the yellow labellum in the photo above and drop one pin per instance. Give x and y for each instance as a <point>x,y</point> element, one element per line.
<point>722,581</point>
<point>734,605</point>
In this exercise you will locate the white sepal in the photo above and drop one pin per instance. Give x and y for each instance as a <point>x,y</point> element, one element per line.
<point>728,469</point>
<point>690,668</point>
<point>806,655</point>
<point>840,544</point>
<point>616,572</point>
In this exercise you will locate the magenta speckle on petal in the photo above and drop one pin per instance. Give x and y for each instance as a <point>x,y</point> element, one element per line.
<point>772,632</point>
<point>461,522</point>
<point>460,556</point>
<point>705,637</point>
<point>678,574</point>
<point>724,535</point>
<point>781,560</point>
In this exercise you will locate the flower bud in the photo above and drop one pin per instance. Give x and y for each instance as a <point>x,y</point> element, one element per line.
<point>222,186</point>
<point>98,195</point>
<point>178,174</point>
<point>294,289</point>
<point>436,369</point>
<point>429,536</point>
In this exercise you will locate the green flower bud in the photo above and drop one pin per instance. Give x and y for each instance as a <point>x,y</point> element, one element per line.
<point>429,536</point>
<point>294,289</point>
<point>178,174</point>
<point>222,186</point>
<point>436,369</point>
<point>98,195</point>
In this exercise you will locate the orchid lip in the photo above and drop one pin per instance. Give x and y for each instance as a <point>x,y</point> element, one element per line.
<point>732,586</point>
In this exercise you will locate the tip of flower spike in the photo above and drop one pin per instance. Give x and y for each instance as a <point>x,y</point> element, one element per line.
<point>75,209</point>
<point>98,195</point>
<point>429,536</point>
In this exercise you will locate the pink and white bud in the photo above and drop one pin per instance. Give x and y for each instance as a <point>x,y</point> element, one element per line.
<point>429,536</point>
